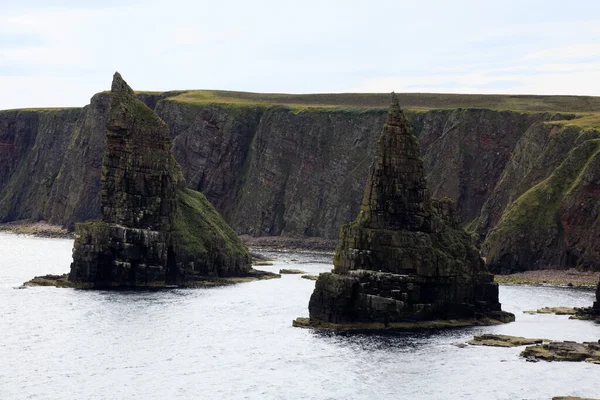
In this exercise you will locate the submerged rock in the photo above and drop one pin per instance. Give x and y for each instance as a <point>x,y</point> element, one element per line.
<point>553,310</point>
<point>49,280</point>
<point>291,271</point>
<point>564,351</point>
<point>572,398</point>
<point>154,231</point>
<point>405,259</point>
<point>503,341</point>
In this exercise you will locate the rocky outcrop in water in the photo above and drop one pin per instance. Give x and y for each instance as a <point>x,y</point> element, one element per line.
<point>494,340</point>
<point>564,351</point>
<point>154,231</point>
<point>405,258</point>
<point>272,170</point>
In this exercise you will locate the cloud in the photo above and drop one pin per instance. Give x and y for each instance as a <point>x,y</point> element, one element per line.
<point>20,40</point>
<point>577,51</point>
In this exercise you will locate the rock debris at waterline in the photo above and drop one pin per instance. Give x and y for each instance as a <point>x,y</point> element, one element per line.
<point>404,262</point>
<point>154,232</point>
<point>564,351</point>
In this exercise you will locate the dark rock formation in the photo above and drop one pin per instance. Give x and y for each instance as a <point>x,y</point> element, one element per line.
<point>153,231</point>
<point>405,258</point>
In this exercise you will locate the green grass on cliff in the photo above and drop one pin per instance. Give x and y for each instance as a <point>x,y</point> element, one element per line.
<point>407,100</point>
<point>537,208</point>
<point>201,230</point>
<point>591,120</point>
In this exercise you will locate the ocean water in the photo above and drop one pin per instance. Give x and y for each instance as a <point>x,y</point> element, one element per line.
<point>237,342</point>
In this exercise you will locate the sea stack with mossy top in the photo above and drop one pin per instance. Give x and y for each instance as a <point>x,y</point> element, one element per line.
<point>404,262</point>
<point>154,231</point>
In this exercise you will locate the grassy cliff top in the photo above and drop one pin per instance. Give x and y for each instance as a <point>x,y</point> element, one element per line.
<point>407,100</point>
<point>586,107</point>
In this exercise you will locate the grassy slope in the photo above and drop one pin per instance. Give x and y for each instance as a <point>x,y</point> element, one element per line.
<point>200,228</point>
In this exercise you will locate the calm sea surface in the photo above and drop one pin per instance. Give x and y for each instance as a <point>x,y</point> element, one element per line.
<point>237,342</point>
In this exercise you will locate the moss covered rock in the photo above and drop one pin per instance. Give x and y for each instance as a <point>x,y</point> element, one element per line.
<point>404,258</point>
<point>153,230</point>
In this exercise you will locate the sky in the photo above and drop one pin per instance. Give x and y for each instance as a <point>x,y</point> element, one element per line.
<point>59,53</point>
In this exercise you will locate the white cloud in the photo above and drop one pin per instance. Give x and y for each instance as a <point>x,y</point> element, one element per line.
<point>566,52</point>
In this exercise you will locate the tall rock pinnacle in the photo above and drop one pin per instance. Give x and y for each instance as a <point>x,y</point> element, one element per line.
<point>405,260</point>
<point>396,194</point>
<point>153,231</point>
<point>140,176</point>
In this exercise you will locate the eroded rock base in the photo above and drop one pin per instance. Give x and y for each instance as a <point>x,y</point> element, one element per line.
<point>62,281</point>
<point>380,299</point>
<point>308,323</point>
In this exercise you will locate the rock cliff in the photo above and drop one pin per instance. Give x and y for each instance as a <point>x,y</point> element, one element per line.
<point>404,259</point>
<point>153,230</point>
<point>299,171</point>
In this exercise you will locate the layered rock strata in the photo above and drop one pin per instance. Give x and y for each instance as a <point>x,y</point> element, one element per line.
<point>404,259</point>
<point>153,230</point>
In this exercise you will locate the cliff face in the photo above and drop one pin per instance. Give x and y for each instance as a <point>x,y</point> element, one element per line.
<point>275,170</point>
<point>33,145</point>
<point>544,212</point>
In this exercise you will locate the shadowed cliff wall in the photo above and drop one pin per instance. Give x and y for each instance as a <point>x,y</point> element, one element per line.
<point>278,170</point>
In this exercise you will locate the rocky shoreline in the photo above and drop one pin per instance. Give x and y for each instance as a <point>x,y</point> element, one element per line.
<point>304,322</point>
<point>551,277</point>
<point>290,244</point>
<point>62,281</point>
<point>37,228</point>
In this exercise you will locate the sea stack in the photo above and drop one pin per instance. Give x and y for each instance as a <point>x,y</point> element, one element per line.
<point>153,231</point>
<point>405,261</point>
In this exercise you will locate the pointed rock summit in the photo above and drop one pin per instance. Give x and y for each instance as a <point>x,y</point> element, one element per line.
<point>405,261</point>
<point>140,177</point>
<point>154,231</point>
<point>396,194</point>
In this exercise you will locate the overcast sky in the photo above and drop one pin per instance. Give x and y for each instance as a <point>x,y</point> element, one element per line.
<point>59,53</point>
